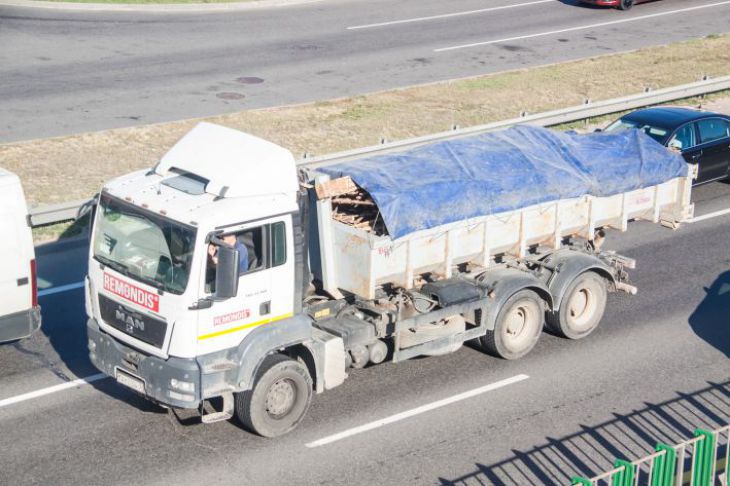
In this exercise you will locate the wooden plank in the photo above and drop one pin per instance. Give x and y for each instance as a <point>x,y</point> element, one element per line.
<point>335,187</point>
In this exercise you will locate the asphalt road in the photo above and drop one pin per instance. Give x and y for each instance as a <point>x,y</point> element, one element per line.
<point>68,72</point>
<point>656,369</point>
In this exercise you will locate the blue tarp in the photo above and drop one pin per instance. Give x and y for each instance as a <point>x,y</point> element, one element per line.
<point>449,181</point>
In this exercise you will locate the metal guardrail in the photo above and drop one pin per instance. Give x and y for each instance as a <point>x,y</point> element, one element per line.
<point>56,213</point>
<point>699,461</point>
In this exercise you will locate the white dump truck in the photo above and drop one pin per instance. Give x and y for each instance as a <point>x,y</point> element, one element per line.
<point>226,279</point>
<point>20,314</point>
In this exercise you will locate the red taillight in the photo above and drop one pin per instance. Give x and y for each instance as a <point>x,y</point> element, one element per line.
<point>33,283</point>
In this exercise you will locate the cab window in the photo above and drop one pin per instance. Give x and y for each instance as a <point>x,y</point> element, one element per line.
<point>713,129</point>
<point>259,248</point>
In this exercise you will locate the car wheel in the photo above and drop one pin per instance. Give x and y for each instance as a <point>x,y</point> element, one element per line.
<point>626,4</point>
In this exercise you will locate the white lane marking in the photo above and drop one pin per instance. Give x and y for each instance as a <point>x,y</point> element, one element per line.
<point>583,27</point>
<point>416,411</point>
<point>444,16</point>
<point>715,214</point>
<point>61,288</point>
<point>52,389</point>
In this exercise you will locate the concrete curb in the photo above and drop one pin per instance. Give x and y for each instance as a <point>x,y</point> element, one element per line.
<point>190,7</point>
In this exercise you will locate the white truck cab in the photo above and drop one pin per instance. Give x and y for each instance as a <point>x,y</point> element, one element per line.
<point>160,320</point>
<point>19,311</point>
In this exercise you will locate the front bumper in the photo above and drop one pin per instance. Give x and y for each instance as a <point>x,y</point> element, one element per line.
<point>20,325</point>
<point>108,355</point>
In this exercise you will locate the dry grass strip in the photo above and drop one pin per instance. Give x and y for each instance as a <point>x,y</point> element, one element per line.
<point>74,167</point>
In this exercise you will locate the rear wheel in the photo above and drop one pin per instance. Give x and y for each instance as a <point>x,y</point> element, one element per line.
<point>582,307</point>
<point>280,397</point>
<point>626,4</point>
<point>517,328</point>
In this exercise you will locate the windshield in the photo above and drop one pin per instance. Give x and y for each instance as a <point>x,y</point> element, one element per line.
<point>143,245</point>
<point>657,133</point>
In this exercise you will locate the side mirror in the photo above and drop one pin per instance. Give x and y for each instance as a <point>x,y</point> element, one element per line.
<point>675,145</point>
<point>226,274</point>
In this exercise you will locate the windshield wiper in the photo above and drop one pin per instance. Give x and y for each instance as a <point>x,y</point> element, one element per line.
<point>149,281</point>
<point>119,267</point>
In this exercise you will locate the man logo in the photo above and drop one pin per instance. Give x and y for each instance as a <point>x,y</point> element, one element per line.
<point>130,322</point>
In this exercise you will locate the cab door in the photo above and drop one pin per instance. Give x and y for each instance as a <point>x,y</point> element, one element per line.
<point>265,288</point>
<point>714,146</point>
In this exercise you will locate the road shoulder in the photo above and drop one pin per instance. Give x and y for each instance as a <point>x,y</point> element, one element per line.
<point>128,7</point>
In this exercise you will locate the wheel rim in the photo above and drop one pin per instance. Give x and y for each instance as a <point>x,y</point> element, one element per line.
<point>581,308</point>
<point>280,398</point>
<point>520,322</point>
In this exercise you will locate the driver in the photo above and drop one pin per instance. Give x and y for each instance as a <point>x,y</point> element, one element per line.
<point>230,240</point>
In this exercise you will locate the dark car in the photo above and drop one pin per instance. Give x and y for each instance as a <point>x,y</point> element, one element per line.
<point>622,4</point>
<point>702,137</point>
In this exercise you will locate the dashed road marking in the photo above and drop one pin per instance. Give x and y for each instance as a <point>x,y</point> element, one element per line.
<point>52,389</point>
<point>416,411</point>
<point>61,288</point>
<point>445,16</point>
<point>582,27</point>
<point>714,214</point>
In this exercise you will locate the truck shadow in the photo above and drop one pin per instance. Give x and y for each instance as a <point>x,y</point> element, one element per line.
<point>593,449</point>
<point>62,267</point>
<point>711,319</point>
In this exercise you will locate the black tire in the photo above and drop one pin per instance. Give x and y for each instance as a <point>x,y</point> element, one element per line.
<point>626,4</point>
<point>582,307</point>
<point>280,397</point>
<point>517,328</point>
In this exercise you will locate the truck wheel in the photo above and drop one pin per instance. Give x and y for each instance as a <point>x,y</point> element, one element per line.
<point>626,4</point>
<point>517,328</point>
<point>280,397</point>
<point>582,307</point>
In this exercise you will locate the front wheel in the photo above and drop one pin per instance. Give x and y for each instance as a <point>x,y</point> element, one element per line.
<point>279,399</point>
<point>517,328</point>
<point>626,4</point>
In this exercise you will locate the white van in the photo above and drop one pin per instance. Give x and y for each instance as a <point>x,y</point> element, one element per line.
<point>20,314</point>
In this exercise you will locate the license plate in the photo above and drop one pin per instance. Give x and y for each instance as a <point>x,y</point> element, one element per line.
<point>130,381</point>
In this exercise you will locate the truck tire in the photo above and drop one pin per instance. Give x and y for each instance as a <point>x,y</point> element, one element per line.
<point>517,327</point>
<point>280,397</point>
<point>582,307</point>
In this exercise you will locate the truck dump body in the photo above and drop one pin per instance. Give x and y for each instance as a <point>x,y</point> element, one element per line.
<point>467,200</point>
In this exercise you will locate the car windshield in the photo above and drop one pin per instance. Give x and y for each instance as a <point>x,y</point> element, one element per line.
<point>143,246</point>
<point>657,133</point>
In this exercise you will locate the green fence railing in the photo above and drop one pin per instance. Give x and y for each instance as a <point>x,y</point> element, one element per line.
<point>699,461</point>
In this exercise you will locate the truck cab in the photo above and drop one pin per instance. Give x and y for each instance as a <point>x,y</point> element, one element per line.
<point>175,313</point>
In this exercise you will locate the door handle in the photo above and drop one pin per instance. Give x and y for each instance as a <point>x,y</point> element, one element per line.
<point>265,308</point>
<point>201,304</point>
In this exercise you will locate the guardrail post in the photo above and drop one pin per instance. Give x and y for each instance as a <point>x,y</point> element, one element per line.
<point>579,481</point>
<point>624,477</point>
<point>703,461</point>
<point>662,473</point>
